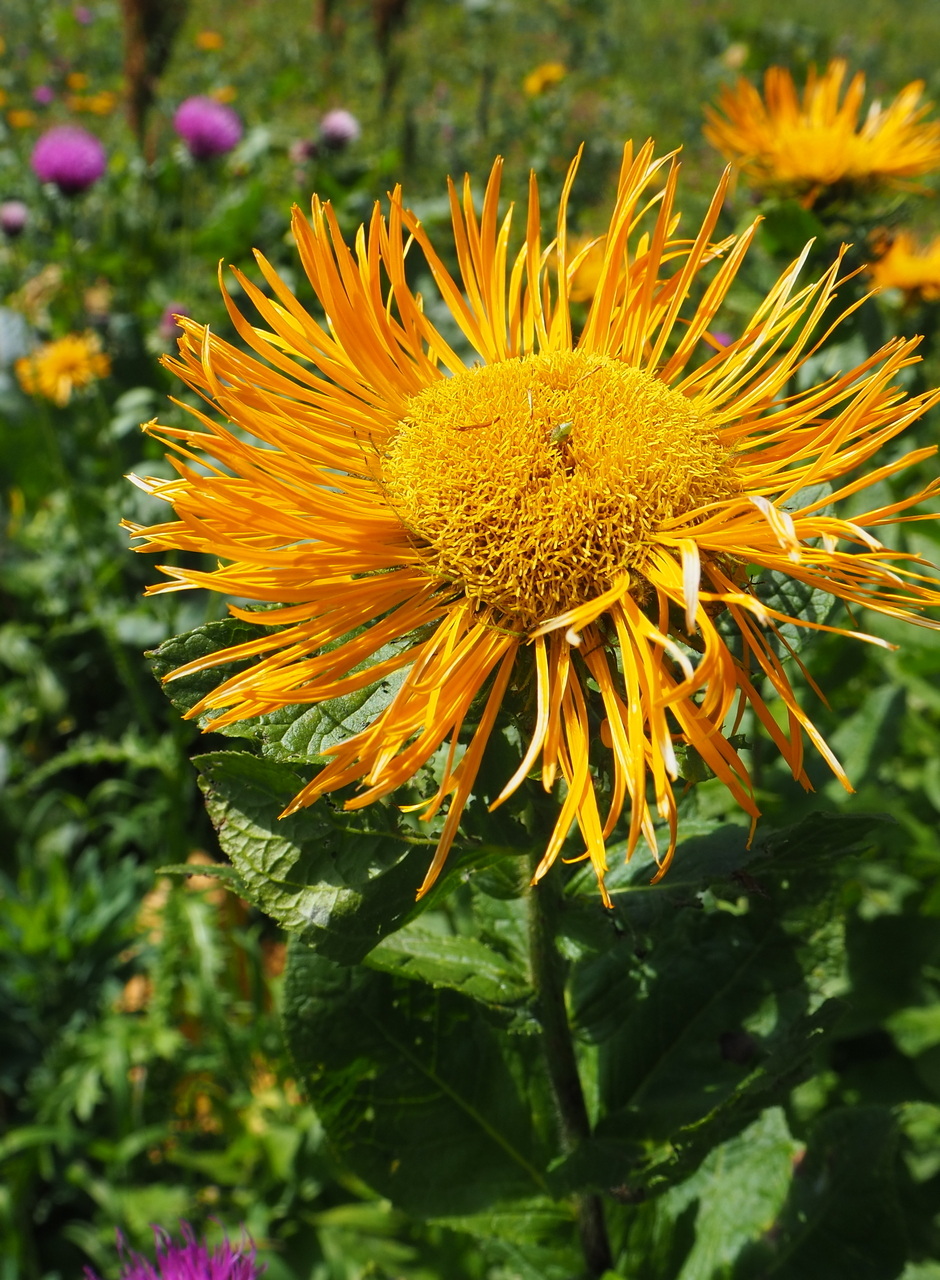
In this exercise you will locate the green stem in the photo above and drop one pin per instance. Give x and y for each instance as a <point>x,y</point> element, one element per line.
<point>545,902</point>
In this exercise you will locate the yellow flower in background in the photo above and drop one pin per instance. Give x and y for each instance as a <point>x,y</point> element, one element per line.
<point>225,93</point>
<point>544,77</point>
<point>3,97</point>
<point>21,118</point>
<point>908,266</point>
<point>102,103</point>
<point>77,80</point>
<point>56,369</point>
<point>587,259</point>
<point>576,515</point>
<point>780,142</point>
<point>208,40</point>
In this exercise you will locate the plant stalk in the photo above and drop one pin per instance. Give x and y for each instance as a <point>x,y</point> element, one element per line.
<point>548,980</point>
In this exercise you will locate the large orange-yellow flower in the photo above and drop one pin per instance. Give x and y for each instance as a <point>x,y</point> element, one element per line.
<point>582,511</point>
<point>784,144</point>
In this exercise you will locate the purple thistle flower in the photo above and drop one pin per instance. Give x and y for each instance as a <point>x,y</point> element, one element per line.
<point>72,158</point>
<point>14,215</point>
<point>208,128</point>
<point>190,1260</point>
<point>43,94</point>
<point>83,15</point>
<point>339,128</point>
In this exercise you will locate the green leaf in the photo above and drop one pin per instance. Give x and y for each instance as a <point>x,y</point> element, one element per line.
<point>711,1002</point>
<point>740,1189</point>
<point>203,642</point>
<point>843,1215</point>
<point>417,1090</point>
<point>298,733</point>
<point>341,890</point>
<point>449,960</point>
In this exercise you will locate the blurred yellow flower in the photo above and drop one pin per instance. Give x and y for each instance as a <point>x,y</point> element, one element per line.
<point>21,118</point>
<point>784,144</point>
<point>587,257</point>
<point>543,77</point>
<point>56,369</point>
<point>225,93</point>
<point>576,516</point>
<point>208,40</point>
<point>910,267</point>
<point>101,104</point>
<point>3,97</point>
<point>77,80</point>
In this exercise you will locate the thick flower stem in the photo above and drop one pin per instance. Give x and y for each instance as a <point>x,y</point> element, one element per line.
<point>548,981</point>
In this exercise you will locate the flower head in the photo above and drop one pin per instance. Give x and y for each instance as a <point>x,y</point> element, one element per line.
<point>208,41</point>
<point>581,514</point>
<point>189,1260</point>
<point>910,267</point>
<point>208,128</point>
<point>44,94</point>
<point>14,215</point>
<point>543,77</point>
<point>338,129</point>
<point>804,147</point>
<point>72,158</point>
<point>56,369</point>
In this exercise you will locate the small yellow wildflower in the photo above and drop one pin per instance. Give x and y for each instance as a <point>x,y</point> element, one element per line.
<point>208,40</point>
<point>56,369</point>
<point>77,80</point>
<point>544,77</point>
<point>21,118</point>
<point>225,93</point>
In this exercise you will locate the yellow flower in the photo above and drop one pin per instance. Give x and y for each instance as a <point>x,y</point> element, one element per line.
<point>225,93</point>
<point>587,257</point>
<point>21,118</point>
<point>208,40</point>
<point>58,368</point>
<point>545,76</point>
<point>101,103</point>
<point>77,80</point>
<point>783,144</point>
<point>579,515</point>
<point>913,268</point>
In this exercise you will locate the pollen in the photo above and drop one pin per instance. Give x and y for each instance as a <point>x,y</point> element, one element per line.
<point>538,483</point>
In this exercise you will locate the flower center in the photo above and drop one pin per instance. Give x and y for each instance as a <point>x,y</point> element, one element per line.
<point>539,482</point>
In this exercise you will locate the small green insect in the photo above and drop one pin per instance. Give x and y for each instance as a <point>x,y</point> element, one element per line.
<point>557,435</point>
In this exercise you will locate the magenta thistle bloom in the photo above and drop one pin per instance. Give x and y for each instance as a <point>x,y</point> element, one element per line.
<point>208,128</point>
<point>339,128</point>
<point>44,94</point>
<point>190,1260</point>
<point>72,158</point>
<point>82,14</point>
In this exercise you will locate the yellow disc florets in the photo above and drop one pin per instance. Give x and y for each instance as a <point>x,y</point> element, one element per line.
<point>539,482</point>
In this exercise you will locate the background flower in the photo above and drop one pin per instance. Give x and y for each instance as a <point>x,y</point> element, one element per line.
<point>782,142</point>
<point>70,157</point>
<point>58,368</point>
<point>208,128</point>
